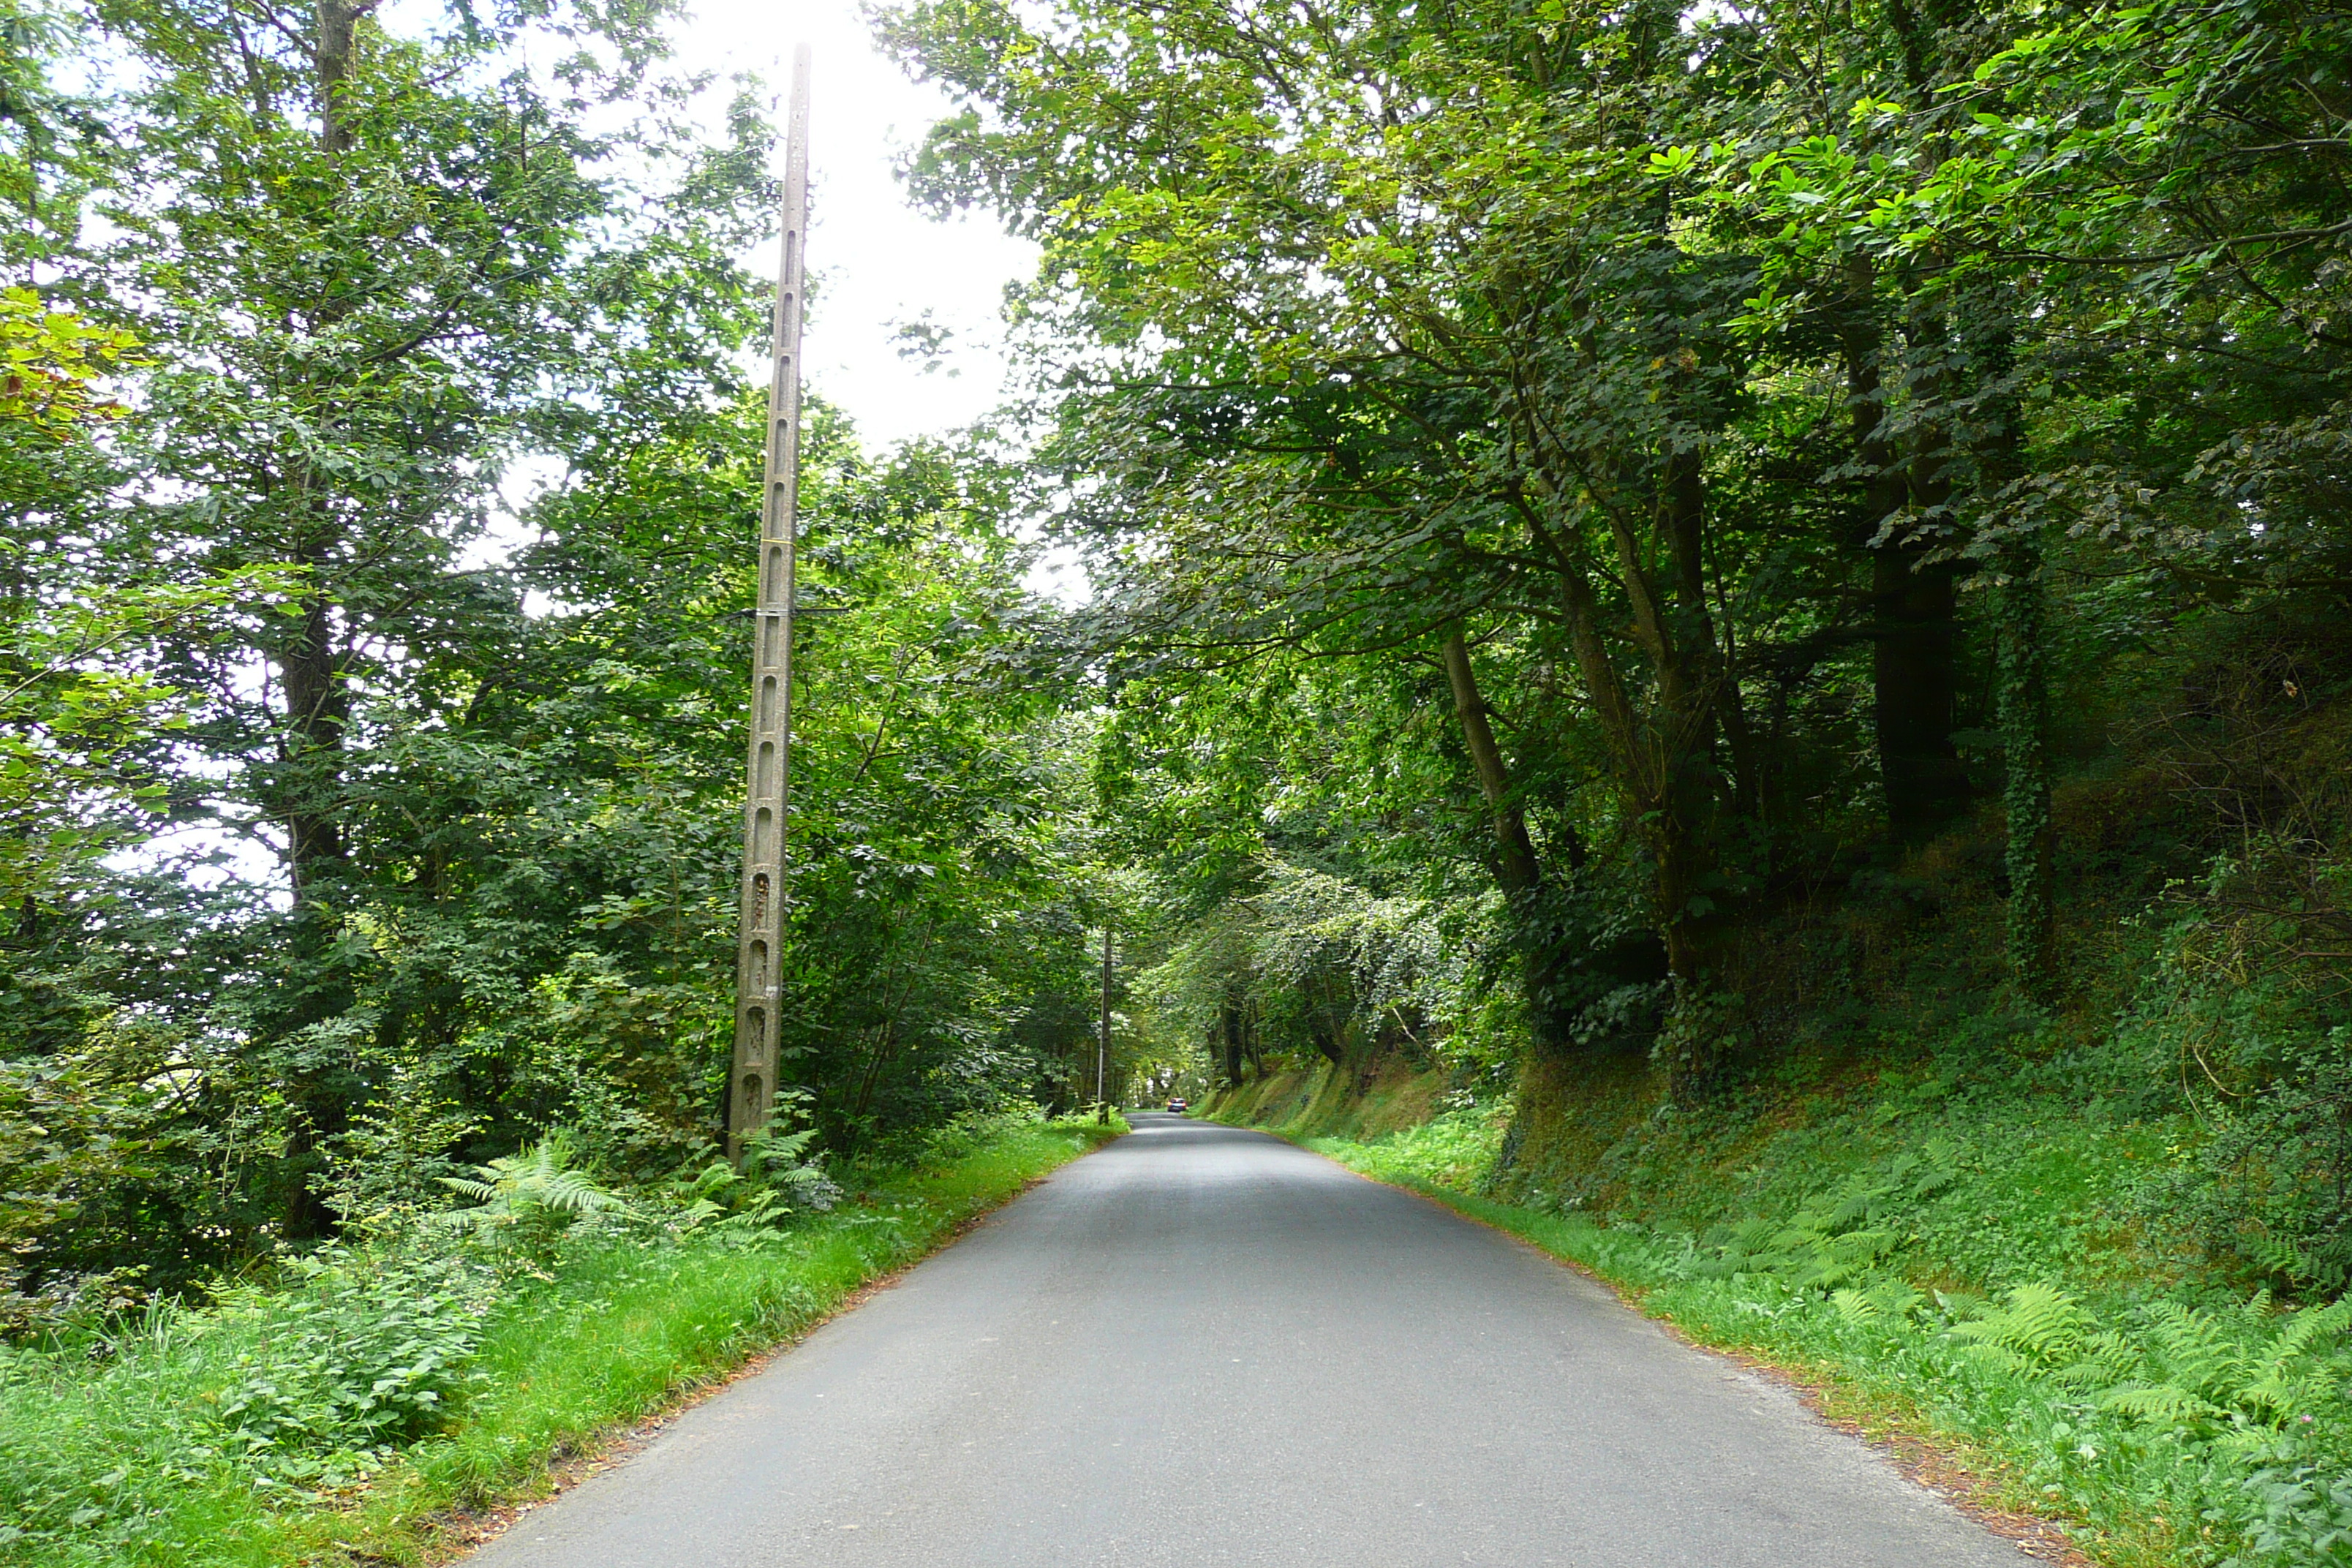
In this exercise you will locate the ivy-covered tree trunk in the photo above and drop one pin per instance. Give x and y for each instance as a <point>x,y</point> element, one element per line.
<point>312,745</point>
<point>2021,685</point>
<point>2024,717</point>
<point>1682,522</point>
<point>1694,684</point>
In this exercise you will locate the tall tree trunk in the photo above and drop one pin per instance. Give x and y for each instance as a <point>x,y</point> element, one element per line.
<point>2025,704</point>
<point>331,60</point>
<point>1912,603</point>
<point>318,716</point>
<point>1691,679</point>
<point>1915,691</point>
<point>1330,1043</point>
<point>1683,520</point>
<point>1514,853</point>
<point>1542,964</point>
<point>2022,681</point>
<point>1663,750</point>
<point>1661,762</point>
<point>313,679</point>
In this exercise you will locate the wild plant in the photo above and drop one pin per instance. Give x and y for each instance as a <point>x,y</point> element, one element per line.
<point>2236,1413</point>
<point>1840,1238</point>
<point>363,1352</point>
<point>2240,1377</point>
<point>1887,1297</point>
<point>2041,1329</point>
<point>2303,1513</point>
<point>775,1184</point>
<point>297,1384</point>
<point>530,1197</point>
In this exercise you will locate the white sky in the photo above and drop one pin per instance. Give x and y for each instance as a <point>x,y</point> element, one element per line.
<point>876,261</point>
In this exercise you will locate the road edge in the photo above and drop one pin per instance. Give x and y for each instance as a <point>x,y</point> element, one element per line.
<point>1938,1461</point>
<point>441,1537</point>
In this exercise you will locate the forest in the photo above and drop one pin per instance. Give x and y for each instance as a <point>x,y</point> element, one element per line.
<point>1700,615</point>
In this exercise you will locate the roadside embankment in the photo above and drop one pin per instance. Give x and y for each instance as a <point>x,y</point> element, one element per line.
<point>369,1401</point>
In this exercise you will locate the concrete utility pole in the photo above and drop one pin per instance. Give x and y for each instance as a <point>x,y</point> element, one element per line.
<point>1102,1041</point>
<point>751,1088</point>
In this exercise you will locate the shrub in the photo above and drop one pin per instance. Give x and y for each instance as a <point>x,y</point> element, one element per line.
<point>300,1385</point>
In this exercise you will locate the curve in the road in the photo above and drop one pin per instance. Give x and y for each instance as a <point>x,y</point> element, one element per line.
<point>1203,1346</point>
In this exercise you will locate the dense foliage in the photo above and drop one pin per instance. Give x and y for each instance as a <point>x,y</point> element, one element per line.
<point>1658,568</point>
<point>379,477</point>
<point>1662,485</point>
<point>368,1395</point>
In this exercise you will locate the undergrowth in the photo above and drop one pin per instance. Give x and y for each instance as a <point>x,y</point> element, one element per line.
<point>363,1396</point>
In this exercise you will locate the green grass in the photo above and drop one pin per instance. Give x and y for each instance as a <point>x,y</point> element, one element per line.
<point>1978,1300</point>
<point>126,1456</point>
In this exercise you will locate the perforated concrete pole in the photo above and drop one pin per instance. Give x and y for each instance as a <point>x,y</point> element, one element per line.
<point>1102,1040</point>
<point>752,1090</point>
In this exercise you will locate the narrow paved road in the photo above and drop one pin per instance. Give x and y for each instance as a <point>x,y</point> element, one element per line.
<point>1205,1347</point>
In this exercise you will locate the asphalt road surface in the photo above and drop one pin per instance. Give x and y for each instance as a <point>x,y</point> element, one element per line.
<point>1201,1346</point>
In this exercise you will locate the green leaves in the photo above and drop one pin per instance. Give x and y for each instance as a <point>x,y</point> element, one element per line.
<point>1673,162</point>
<point>1843,1241</point>
<point>536,1189</point>
<point>361,1353</point>
<point>49,361</point>
<point>239,609</point>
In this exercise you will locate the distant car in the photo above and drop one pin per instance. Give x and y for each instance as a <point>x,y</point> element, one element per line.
<point>1176,1105</point>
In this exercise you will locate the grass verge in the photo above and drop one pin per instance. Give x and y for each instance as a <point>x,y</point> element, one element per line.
<point>144,1448</point>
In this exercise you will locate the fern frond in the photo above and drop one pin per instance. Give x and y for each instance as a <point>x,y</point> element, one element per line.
<point>2039,1323</point>
<point>2309,1327</point>
<point>714,1180</point>
<point>697,1212</point>
<point>2107,1359</point>
<point>573,1193</point>
<point>2248,1444</point>
<point>2197,1352</point>
<point>1800,1234</point>
<point>1941,1162</point>
<point>768,1148</point>
<point>2167,1403</point>
<point>1853,1208</point>
<point>537,1178</point>
<point>2275,1397</point>
<point>1994,1355</point>
<point>1896,1298</point>
<point>1856,1246</point>
<point>1826,1274</point>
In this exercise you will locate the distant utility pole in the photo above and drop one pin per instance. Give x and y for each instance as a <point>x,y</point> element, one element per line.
<point>759,950</point>
<point>1102,1041</point>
